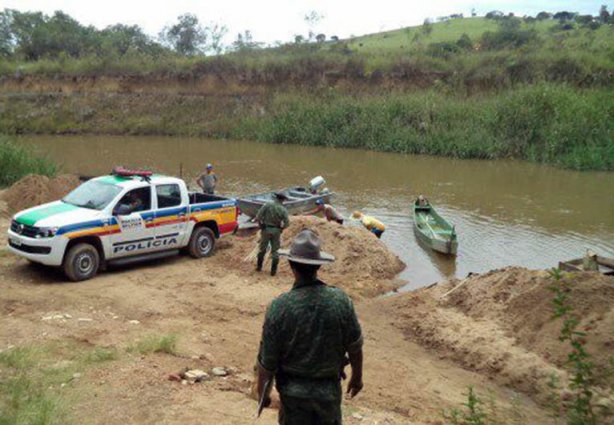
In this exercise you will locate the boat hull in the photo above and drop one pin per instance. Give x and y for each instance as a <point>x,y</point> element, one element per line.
<point>605,265</point>
<point>434,231</point>
<point>443,247</point>
<point>299,201</point>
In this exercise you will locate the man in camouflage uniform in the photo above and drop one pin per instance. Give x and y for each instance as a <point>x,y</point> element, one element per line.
<point>273,219</point>
<point>306,335</point>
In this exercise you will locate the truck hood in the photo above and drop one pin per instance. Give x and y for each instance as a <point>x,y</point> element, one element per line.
<point>57,214</point>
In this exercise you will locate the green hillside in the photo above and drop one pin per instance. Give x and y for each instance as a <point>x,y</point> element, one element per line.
<point>405,38</point>
<point>453,29</point>
<point>413,39</point>
<point>454,46</point>
<point>472,49</point>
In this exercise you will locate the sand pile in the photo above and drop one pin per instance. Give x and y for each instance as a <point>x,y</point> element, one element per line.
<point>4,209</point>
<point>500,323</point>
<point>519,301</point>
<point>34,190</point>
<point>363,266</point>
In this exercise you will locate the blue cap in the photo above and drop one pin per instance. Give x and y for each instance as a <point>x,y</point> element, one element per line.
<point>319,202</point>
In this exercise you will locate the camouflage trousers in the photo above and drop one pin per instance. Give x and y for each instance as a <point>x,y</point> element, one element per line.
<point>270,235</point>
<point>304,411</point>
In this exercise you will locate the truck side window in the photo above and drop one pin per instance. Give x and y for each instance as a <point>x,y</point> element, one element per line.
<point>169,195</point>
<point>137,199</point>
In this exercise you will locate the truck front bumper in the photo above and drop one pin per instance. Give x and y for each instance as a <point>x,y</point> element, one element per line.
<point>48,251</point>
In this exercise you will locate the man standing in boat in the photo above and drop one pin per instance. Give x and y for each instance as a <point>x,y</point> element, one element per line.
<point>307,333</point>
<point>273,219</point>
<point>208,180</point>
<point>422,201</point>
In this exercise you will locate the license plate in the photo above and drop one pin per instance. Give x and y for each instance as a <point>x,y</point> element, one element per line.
<point>16,242</point>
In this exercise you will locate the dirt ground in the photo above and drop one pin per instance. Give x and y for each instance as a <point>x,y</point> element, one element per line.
<point>421,352</point>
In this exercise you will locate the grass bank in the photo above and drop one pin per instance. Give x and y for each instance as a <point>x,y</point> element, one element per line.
<point>16,161</point>
<point>552,124</point>
<point>556,124</point>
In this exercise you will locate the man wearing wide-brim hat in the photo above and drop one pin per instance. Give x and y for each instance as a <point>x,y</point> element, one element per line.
<point>273,219</point>
<point>306,335</point>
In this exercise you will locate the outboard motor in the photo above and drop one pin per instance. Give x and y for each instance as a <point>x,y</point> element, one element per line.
<point>316,183</point>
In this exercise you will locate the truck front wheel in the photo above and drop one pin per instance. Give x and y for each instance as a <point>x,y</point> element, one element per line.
<point>201,243</point>
<point>81,262</point>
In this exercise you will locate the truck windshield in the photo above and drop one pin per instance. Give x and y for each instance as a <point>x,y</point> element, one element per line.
<point>93,194</point>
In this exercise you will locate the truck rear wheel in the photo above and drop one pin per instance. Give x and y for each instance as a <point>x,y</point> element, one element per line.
<point>81,262</point>
<point>201,243</point>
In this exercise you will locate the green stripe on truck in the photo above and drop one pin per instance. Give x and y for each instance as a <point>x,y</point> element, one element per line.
<point>31,217</point>
<point>113,179</point>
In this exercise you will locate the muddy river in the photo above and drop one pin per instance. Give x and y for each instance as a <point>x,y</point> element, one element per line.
<point>505,212</point>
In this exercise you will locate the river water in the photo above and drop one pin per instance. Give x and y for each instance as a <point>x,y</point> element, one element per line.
<point>505,212</point>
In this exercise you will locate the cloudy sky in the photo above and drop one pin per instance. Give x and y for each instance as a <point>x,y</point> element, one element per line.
<point>272,20</point>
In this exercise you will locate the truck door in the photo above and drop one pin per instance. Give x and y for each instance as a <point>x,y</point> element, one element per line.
<point>135,217</point>
<point>171,217</point>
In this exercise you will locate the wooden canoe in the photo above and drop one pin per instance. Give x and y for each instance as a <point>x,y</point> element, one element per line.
<point>299,201</point>
<point>606,265</point>
<point>433,230</point>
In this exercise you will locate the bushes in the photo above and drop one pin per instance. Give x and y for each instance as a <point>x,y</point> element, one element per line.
<point>16,161</point>
<point>550,123</point>
<point>443,49</point>
<point>509,35</point>
<point>455,49</point>
<point>555,124</point>
<point>544,123</point>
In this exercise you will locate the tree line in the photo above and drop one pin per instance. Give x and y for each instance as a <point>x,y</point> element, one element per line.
<point>565,18</point>
<point>31,36</point>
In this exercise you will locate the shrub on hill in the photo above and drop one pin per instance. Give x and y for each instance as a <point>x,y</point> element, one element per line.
<point>509,35</point>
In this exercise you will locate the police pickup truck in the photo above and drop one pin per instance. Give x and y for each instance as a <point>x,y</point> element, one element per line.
<point>118,219</point>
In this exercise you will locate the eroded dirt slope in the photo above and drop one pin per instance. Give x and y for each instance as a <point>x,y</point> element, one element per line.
<point>501,324</point>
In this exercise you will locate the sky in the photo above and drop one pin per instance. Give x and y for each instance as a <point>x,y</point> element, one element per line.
<point>279,20</point>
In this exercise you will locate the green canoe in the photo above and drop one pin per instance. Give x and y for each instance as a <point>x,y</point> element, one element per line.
<point>433,230</point>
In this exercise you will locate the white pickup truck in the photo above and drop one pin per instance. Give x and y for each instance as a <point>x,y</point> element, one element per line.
<point>119,219</point>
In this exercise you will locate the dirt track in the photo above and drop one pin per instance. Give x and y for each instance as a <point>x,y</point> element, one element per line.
<point>216,308</point>
<point>217,316</point>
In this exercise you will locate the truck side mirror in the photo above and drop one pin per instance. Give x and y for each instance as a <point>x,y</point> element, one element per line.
<point>122,209</point>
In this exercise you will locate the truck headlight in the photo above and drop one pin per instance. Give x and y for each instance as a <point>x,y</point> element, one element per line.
<point>46,232</point>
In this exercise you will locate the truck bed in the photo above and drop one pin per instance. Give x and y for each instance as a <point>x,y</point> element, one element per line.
<point>201,198</point>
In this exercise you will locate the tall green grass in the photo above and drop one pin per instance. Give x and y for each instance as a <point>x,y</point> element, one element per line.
<point>545,123</point>
<point>16,161</point>
<point>550,123</point>
<point>155,344</point>
<point>38,384</point>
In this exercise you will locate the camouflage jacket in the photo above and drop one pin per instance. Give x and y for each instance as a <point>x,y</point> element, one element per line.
<point>306,334</point>
<point>273,214</point>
